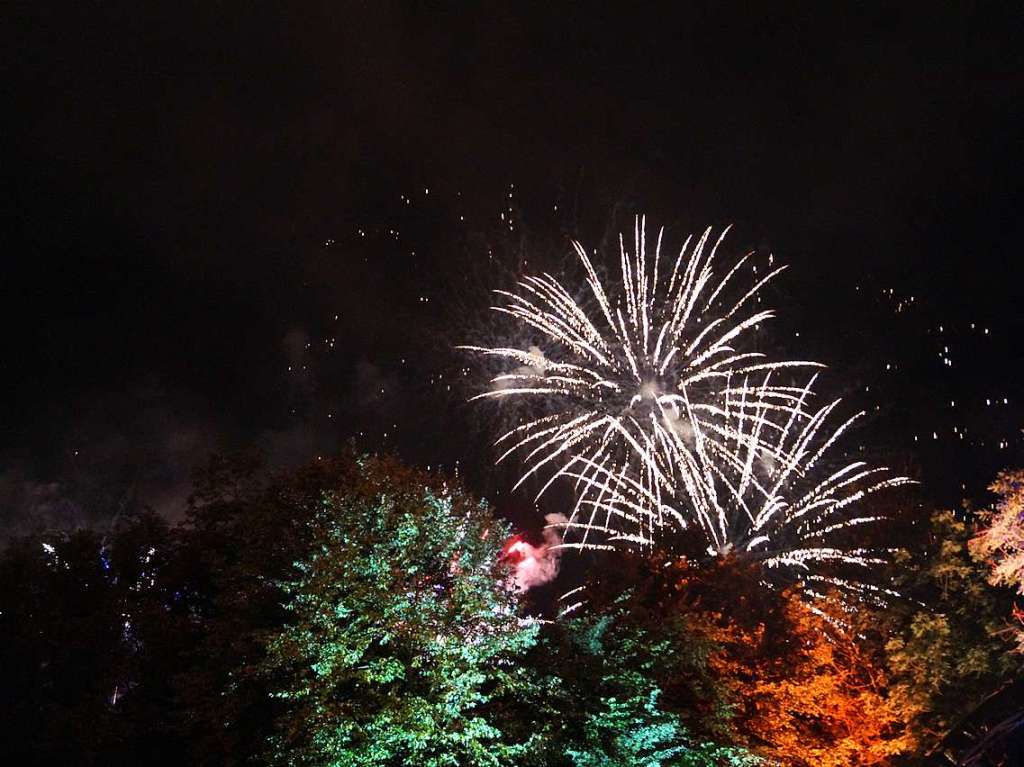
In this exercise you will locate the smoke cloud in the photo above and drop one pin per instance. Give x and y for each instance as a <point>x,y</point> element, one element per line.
<point>536,565</point>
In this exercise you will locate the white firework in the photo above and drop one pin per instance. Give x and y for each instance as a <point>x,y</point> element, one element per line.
<point>775,503</point>
<point>673,428</point>
<point>643,383</point>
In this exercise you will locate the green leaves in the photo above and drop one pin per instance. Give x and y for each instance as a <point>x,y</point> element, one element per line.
<point>405,639</point>
<point>616,698</point>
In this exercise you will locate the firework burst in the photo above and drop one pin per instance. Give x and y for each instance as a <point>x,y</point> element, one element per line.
<point>628,381</point>
<point>785,505</point>
<point>650,396</point>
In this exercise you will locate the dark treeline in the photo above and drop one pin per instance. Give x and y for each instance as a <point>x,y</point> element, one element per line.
<point>356,611</point>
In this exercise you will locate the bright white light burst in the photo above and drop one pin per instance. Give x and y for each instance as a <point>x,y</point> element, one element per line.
<point>654,400</point>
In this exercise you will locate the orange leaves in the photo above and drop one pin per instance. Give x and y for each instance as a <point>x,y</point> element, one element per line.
<point>814,698</point>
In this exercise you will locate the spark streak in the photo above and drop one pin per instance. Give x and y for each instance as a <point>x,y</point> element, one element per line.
<point>651,397</point>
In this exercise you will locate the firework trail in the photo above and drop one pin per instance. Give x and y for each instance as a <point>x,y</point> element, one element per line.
<point>670,426</point>
<point>781,507</point>
<point>641,383</point>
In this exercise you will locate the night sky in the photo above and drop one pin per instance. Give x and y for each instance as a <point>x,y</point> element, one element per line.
<point>229,227</point>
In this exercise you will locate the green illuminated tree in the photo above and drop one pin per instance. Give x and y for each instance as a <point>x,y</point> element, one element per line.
<point>635,683</point>
<point>405,641</point>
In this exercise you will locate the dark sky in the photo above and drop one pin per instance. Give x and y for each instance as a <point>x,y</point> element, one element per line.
<point>196,190</point>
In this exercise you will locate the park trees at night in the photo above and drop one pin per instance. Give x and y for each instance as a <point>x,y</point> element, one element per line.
<point>89,640</point>
<point>947,641</point>
<point>1001,541</point>
<point>404,641</point>
<point>773,673</point>
<point>356,611</point>
<point>406,644</point>
<point>611,669</point>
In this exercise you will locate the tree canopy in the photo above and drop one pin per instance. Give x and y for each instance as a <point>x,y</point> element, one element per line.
<point>360,612</point>
<point>405,641</point>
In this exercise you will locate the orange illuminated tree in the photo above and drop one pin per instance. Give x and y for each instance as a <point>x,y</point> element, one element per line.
<point>817,698</point>
<point>802,683</point>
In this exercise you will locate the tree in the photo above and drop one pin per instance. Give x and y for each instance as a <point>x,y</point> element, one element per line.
<point>824,702</point>
<point>245,528</point>
<point>948,647</point>
<point>88,646</point>
<point>1001,542</point>
<point>404,644</point>
<point>613,712</point>
<point>739,663</point>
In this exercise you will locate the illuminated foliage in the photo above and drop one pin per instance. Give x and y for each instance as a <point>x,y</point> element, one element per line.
<point>624,722</point>
<point>824,703</point>
<point>405,642</point>
<point>1001,542</point>
<point>356,612</point>
<point>791,680</point>
<point>246,526</point>
<point>948,646</point>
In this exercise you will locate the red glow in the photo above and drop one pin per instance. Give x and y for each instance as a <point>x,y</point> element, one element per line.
<point>533,565</point>
<point>516,550</point>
